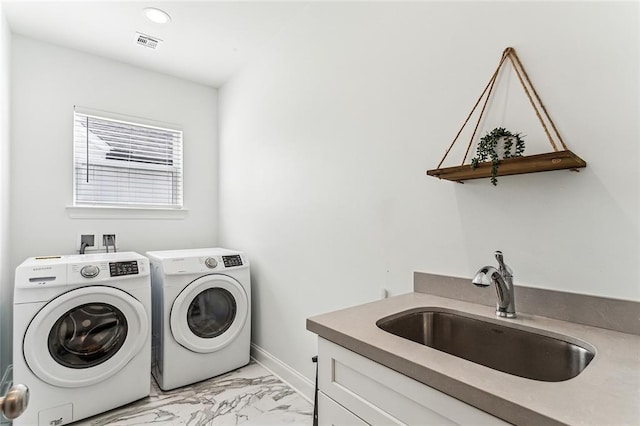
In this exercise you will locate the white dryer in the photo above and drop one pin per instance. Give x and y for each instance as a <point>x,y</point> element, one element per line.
<point>201,314</point>
<point>82,334</point>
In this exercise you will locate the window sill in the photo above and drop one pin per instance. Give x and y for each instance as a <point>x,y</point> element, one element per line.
<point>108,212</point>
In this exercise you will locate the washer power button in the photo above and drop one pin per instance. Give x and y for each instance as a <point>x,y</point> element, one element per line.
<point>89,271</point>
<point>211,262</point>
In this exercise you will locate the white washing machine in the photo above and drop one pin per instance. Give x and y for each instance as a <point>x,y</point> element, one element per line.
<point>201,314</point>
<point>82,334</point>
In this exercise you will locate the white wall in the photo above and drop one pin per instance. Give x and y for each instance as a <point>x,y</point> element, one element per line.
<point>5,268</point>
<point>324,144</point>
<point>47,82</point>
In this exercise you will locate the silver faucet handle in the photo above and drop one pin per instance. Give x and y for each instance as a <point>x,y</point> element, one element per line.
<point>504,269</point>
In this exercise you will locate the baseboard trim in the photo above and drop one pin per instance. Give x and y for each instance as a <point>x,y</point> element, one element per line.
<point>291,377</point>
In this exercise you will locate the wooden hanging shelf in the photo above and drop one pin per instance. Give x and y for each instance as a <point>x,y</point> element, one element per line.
<point>512,166</point>
<point>556,160</point>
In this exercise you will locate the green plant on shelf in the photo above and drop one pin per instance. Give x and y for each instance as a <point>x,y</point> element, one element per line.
<point>496,145</point>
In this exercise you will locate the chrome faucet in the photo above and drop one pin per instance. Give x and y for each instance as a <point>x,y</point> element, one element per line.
<point>502,278</point>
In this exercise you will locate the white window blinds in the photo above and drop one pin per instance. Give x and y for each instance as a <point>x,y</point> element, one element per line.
<point>123,162</point>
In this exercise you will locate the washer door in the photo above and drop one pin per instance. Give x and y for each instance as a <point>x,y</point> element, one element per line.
<point>85,336</point>
<point>209,313</point>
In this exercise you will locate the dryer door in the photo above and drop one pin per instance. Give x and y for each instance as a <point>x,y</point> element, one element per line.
<point>85,336</point>
<point>209,313</point>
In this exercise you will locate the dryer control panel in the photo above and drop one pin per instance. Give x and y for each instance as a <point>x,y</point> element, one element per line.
<point>202,264</point>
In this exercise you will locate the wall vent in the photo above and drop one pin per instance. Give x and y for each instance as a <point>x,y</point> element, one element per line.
<point>147,41</point>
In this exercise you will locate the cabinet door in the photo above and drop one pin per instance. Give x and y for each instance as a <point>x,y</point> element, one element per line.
<point>330,413</point>
<point>382,396</point>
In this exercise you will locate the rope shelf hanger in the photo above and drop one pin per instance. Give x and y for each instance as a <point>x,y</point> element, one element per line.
<point>556,160</point>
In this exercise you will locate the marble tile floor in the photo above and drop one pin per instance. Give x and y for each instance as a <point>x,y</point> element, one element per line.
<point>250,396</point>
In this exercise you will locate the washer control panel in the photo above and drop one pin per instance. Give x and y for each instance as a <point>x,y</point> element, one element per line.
<point>103,270</point>
<point>118,269</point>
<point>89,271</point>
<point>231,261</point>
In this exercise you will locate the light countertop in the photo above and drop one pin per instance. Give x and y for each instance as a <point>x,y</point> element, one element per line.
<point>607,392</point>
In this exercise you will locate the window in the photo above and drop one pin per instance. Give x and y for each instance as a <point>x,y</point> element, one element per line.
<point>125,161</point>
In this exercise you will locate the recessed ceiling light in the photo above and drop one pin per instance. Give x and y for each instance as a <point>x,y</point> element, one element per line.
<point>156,15</point>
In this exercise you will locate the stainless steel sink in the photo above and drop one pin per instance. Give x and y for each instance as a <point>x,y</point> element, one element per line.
<point>507,349</point>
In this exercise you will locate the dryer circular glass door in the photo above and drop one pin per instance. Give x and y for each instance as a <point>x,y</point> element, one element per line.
<point>85,336</point>
<point>209,313</point>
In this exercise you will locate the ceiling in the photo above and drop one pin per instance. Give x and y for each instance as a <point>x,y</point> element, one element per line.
<point>206,41</point>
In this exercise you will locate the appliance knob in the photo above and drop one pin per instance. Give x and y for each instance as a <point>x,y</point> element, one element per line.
<point>89,271</point>
<point>211,262</point>
<point>15,401</point>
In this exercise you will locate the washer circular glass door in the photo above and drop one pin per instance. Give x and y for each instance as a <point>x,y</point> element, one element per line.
<point>85,336</point>
<point>209,313</point>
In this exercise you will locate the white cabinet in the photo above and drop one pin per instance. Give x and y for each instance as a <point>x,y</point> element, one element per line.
<point>330,413</point>
<point>355,390</point>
